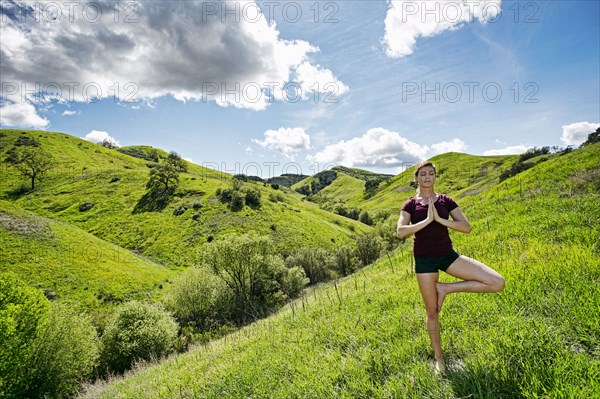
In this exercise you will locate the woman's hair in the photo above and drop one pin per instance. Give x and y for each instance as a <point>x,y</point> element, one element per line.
<point>421,165</point>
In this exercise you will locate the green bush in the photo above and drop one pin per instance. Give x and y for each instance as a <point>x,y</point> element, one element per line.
<point>237,201</point>
<point>317,263</point>
<point>22,310</point>
<point>180,209</point>
<point>368,248</point>
<point>365,218</point>
<point>253,198</point>
<point>252,272</point>
<point>64,354</point>
<point>345,260</point>
<point>138,332</point>
<point>294,282</point>
<point>198,298</point>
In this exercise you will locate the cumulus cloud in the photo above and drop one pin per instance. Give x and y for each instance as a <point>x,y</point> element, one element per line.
<point>285,140</point>
<point>98,136</point>
<point>378,147</point>
<point>21,114</point>
<point>577,133</point>
<point>405,21</point>
<point>191,50</point>
<point>511,150</point>
<point>456,145</point>
<point>70,113</point>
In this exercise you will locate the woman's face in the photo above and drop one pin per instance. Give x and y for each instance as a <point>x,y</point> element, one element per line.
<point>426,176</point>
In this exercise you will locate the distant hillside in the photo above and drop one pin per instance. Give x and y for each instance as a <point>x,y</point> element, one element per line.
<point>459,175</point>
<point>113,182</point>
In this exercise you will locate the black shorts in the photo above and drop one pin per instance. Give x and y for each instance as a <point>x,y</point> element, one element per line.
<point>436,263</point>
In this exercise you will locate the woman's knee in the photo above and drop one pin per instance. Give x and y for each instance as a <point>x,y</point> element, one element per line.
<point>432,313</point>
<point>497,284</point>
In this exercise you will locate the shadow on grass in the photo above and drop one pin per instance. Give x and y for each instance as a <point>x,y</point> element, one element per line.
<point>478,381</point>
<point>18,192</point>
<point>154,201</point>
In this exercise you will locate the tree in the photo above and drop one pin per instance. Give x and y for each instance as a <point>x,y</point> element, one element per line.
<point>31,161</point>
<point>252,271</point>
<point>166,175</point>
<point>107,143</point>
<point>593,137</point>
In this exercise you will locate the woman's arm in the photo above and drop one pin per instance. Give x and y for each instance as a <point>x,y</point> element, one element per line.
<point>405,229</point>
<point>459,221</point>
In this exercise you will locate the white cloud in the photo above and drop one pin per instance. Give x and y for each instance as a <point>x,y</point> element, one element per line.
<point>577,133</point>
<point>378,147</point>
<point>21,114</point>
<point>407,20</point>
<point>70,113</point>
<point>191,50</point>
<point>98,136</point>
<point>456,145</point>
<point>511,150</point>
<point>285,140</point>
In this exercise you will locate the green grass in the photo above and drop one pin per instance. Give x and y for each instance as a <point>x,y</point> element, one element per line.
<point>364,336</point>
<point>74,266</point>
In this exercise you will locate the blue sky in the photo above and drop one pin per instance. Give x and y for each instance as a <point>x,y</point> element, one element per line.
<point>383,84</point>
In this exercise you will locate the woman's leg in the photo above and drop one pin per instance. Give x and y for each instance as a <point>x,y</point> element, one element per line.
<point>477,278</point>
<point>427,286</point>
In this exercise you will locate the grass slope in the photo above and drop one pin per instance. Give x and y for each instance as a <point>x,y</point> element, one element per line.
<point>72,265</point>
<point>115,182</point>
<point>364,336</point>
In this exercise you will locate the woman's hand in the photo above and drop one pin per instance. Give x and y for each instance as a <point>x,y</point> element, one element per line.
<point>433,210</point>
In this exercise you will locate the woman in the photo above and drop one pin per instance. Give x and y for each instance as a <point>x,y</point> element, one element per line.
<point>426,215</point>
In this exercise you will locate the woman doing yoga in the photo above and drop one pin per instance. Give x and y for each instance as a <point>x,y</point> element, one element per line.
<point>426,215</point>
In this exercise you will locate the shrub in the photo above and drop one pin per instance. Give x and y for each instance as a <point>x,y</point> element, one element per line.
<point>197,205</point>
<point>386,230</point>
<point>86,206</point>
<point>253,198</point>
<point>294,282</point>
<point>22,309</point>
<point>317,263</point>
<point>365,218</point>
<point>180,209</point>
<point>198,298</point>
<point>345,260</point>
<point>138,332</point>
<point>237,201</point>
<point>368,248</point>
<point>63,355</point>
<point>252,271</point>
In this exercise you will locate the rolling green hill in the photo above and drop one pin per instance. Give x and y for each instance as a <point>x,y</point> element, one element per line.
<point>364,336</point>
<point>114,183</point>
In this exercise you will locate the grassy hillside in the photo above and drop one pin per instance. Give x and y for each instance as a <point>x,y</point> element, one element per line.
<point>459,175</point>
<point>115,183</point>
<point>364,336</point>
<point>72,265</point>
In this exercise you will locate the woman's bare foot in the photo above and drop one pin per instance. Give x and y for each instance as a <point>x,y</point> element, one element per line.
<point>441,294</point>
<point>440,367</point>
